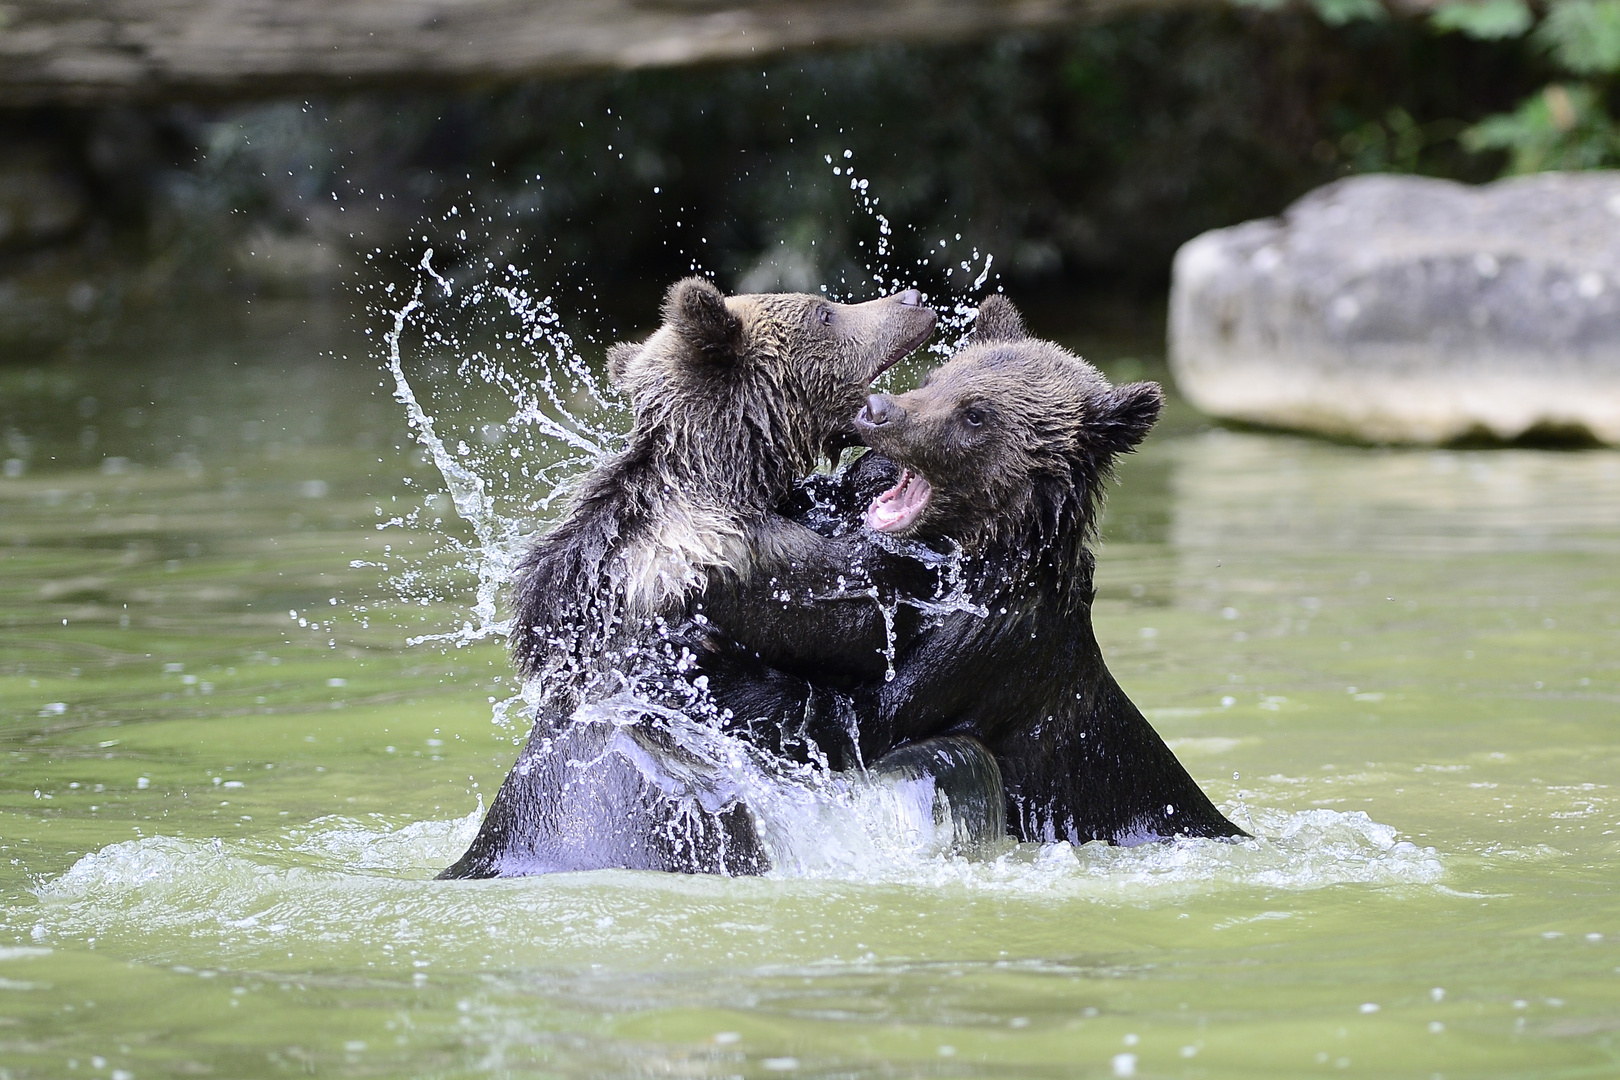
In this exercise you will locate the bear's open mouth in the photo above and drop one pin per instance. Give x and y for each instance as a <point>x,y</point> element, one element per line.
<point>903,350</point>
<point>898,509</point>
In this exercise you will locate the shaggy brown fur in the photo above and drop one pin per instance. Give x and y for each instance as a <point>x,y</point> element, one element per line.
<point>732,400</point>
<point>1001,457</point>
<point>1015,437</point>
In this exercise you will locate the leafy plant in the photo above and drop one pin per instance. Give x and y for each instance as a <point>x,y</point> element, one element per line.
<point>1583,36</point>
<point>1340,12</point>
<point>1566,125</point>
<point>1488,20</point>
<point>1393,144</point>
<point>1563,127</point>
<point>1332,12</point>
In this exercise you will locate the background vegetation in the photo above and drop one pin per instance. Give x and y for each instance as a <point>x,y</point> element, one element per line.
<point>1082,160</point>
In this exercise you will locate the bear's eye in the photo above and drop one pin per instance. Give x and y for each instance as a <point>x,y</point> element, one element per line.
<point>825,315</point>
<point>973,417</point>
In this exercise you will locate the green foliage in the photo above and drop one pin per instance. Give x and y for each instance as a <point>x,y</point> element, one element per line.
<point>1340,12</point>
<point>1563,127</point>
<point>1486,20</point>
<point>1583,36</point>
<point>1332,12</point>
<point>1394,144</point>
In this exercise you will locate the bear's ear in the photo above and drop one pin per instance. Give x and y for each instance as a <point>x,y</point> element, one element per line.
<point>1126,415</point>
<point>619,358</point>
<point>697,311</point>
<point>998,320</point>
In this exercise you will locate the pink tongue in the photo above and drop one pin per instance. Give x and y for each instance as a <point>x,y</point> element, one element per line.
<point>898,508</point>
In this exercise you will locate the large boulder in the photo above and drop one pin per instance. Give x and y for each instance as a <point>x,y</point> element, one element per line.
<point>1406,309</point>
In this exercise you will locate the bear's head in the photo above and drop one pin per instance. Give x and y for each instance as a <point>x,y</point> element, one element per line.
<point>759,384</point>
<point>1007,442</point>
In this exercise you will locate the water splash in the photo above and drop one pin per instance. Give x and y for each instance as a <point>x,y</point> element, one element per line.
<point>496,544</point>
<point>505,339</point>
<point>956,312</point>
<point>507,344</point>
<point>363,884</point>
<point>503,479</point>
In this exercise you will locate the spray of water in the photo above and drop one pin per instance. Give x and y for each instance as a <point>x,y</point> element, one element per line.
<point>499,335</point>
<point>502,477</point>
<point>467,491</point>
<point>957,311</point>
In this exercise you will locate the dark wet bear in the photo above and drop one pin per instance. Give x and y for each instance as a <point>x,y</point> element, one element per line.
<point>1001,456</point>
<point>732,400</point>
<point>1004,451</point>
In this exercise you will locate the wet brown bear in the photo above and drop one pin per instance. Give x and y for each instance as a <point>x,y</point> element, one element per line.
<point>1001,456</point>
<point>1004,451</point>
<point>733,398</point>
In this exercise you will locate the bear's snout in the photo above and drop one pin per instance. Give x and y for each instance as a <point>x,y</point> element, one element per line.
<point>880,409</point>
<point>910,298</point>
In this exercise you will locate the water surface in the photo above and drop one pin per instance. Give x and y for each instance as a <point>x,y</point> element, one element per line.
<point>227,778</point>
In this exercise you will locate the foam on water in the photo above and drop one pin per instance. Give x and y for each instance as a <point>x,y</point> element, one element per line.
<point>341,879</point>
<point>357,895</point>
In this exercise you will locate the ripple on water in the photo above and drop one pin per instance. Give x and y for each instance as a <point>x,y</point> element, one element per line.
<point>367,885</point>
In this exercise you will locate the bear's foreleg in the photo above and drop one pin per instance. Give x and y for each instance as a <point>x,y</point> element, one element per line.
<point>590,794</point>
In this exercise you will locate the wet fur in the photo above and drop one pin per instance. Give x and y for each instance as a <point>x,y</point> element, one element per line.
<point>1078,759</point>
<point>732,400</point>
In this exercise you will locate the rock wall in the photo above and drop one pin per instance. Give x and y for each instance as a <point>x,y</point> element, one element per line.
<point>111,50</point>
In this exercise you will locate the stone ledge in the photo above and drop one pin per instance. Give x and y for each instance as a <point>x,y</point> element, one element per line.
<point>119,50</point>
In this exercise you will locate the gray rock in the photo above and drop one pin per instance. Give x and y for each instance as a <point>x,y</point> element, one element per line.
<point>1406,309</point>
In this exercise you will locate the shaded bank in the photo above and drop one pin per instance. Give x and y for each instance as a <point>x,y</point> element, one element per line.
<point>1081,158</point>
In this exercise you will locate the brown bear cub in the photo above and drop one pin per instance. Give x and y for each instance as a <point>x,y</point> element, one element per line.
<point>996,464</point>
<point>1003,452</point>
<point>733,399</point>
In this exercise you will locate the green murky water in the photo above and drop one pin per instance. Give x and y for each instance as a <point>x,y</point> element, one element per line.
<point>218,819</point>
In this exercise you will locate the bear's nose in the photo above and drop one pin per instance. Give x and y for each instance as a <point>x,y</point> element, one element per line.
<point>879,410</point>
<point>910,298</point>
